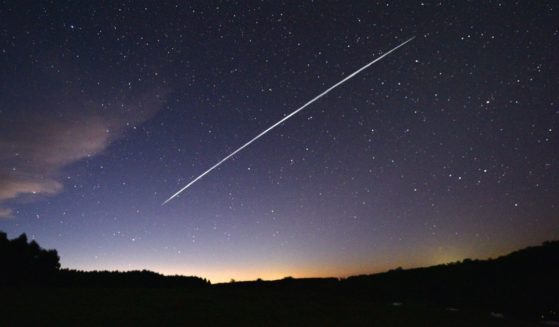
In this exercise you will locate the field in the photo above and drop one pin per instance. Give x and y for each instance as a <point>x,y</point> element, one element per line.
<point>219,305</point>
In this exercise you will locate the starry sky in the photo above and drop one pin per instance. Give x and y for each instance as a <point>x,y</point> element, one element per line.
<point>445,149</point>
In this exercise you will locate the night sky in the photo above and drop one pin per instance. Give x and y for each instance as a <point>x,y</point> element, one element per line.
<point>448,148</point>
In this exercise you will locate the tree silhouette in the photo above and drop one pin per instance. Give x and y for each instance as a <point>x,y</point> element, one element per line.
<point>26,262</point>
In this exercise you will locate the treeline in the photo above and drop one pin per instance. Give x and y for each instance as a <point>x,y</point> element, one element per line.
<point>27,264</point>
<point>523,283</point>
<point>129,279</point>
<point>520,279</point>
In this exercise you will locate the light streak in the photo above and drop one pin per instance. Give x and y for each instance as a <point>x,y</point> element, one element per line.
<point>286,118</point>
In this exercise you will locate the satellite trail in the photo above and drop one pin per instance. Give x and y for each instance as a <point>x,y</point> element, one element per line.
<point>284,119</point>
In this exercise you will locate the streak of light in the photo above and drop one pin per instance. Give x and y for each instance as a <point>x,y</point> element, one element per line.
<point>286,118</point>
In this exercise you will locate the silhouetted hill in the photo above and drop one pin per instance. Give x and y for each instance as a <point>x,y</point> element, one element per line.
<point>524,282</point>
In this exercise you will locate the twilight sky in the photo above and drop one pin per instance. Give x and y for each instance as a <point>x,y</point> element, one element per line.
<point>446,149</point>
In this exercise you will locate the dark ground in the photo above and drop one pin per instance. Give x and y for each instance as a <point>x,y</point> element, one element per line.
<point>222,306</point>
<point>522,285</point>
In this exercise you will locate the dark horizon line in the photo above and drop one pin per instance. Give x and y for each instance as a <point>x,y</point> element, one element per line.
<point>316,277</point>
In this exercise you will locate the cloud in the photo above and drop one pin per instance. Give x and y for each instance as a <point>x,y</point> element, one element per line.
<point>5,213</point>
<point>13,186</point>
<point>39,140</point>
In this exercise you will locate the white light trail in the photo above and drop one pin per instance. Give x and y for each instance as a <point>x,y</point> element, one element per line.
<point>285,118</point>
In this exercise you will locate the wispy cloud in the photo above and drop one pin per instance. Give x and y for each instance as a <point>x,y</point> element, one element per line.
<point>5,213</point>
<point>37,143</point>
